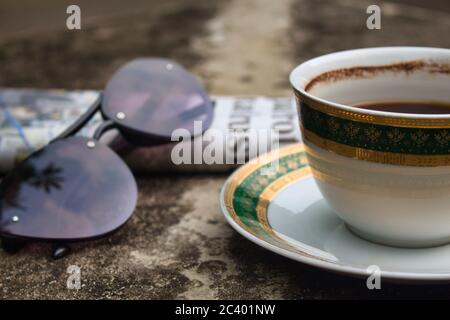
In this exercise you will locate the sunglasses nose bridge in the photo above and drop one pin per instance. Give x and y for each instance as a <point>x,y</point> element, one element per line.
<point>103,128</point>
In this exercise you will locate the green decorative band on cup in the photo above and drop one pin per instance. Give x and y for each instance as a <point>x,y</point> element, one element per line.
<point>391,144</point>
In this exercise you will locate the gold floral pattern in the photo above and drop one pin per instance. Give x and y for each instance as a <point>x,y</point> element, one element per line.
<point>442,137</point>
<point>292,164</point>
<point>333,125</point>
<point>419,137</point>
<point>351,130</point>
<point>395,136</point>
<point>282,170</point>
<point>246,203</point>
<point>261,180</point>
<point>254,190</point>
<point>372,133</point>
<point>316,117</point>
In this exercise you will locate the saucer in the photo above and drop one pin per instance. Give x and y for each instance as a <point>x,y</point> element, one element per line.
<point>283,211</point>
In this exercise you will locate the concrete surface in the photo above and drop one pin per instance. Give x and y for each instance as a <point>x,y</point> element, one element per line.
<point>177,244</point>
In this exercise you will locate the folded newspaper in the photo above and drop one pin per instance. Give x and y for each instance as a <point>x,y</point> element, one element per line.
<point>30,118</point>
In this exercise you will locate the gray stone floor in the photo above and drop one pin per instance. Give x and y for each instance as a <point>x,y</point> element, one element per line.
<point>177,244</point>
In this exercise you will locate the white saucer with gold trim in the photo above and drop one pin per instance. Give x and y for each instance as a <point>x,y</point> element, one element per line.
<point>283,211</point>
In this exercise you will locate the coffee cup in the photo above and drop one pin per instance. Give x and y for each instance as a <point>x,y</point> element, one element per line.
<point>385,173</point>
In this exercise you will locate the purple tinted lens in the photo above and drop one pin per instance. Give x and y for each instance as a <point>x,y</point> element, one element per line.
<point>155,97</point>
<point>70,190</point>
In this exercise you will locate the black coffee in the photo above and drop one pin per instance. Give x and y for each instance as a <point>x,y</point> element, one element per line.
<point>408,107</point>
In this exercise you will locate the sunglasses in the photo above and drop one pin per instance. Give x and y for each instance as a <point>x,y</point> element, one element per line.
<point>76,188</point>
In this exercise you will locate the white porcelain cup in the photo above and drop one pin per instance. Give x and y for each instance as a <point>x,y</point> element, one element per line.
<point>387,175</point>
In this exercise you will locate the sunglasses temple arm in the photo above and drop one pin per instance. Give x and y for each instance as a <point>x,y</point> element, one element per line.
<point>81,121</point>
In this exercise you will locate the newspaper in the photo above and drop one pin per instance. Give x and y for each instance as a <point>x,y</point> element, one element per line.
<point>30,118</point>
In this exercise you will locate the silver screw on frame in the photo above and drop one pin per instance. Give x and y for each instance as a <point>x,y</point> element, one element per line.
<point>120,115</point>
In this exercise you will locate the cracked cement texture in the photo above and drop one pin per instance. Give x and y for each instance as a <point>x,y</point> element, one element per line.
<point>177,244</point>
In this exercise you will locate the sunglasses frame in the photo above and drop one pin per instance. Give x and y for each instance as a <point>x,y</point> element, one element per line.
<point>13,244</point>
<point>60,249</point>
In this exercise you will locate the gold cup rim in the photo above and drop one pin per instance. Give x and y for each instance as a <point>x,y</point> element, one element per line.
<point>374,116</point>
